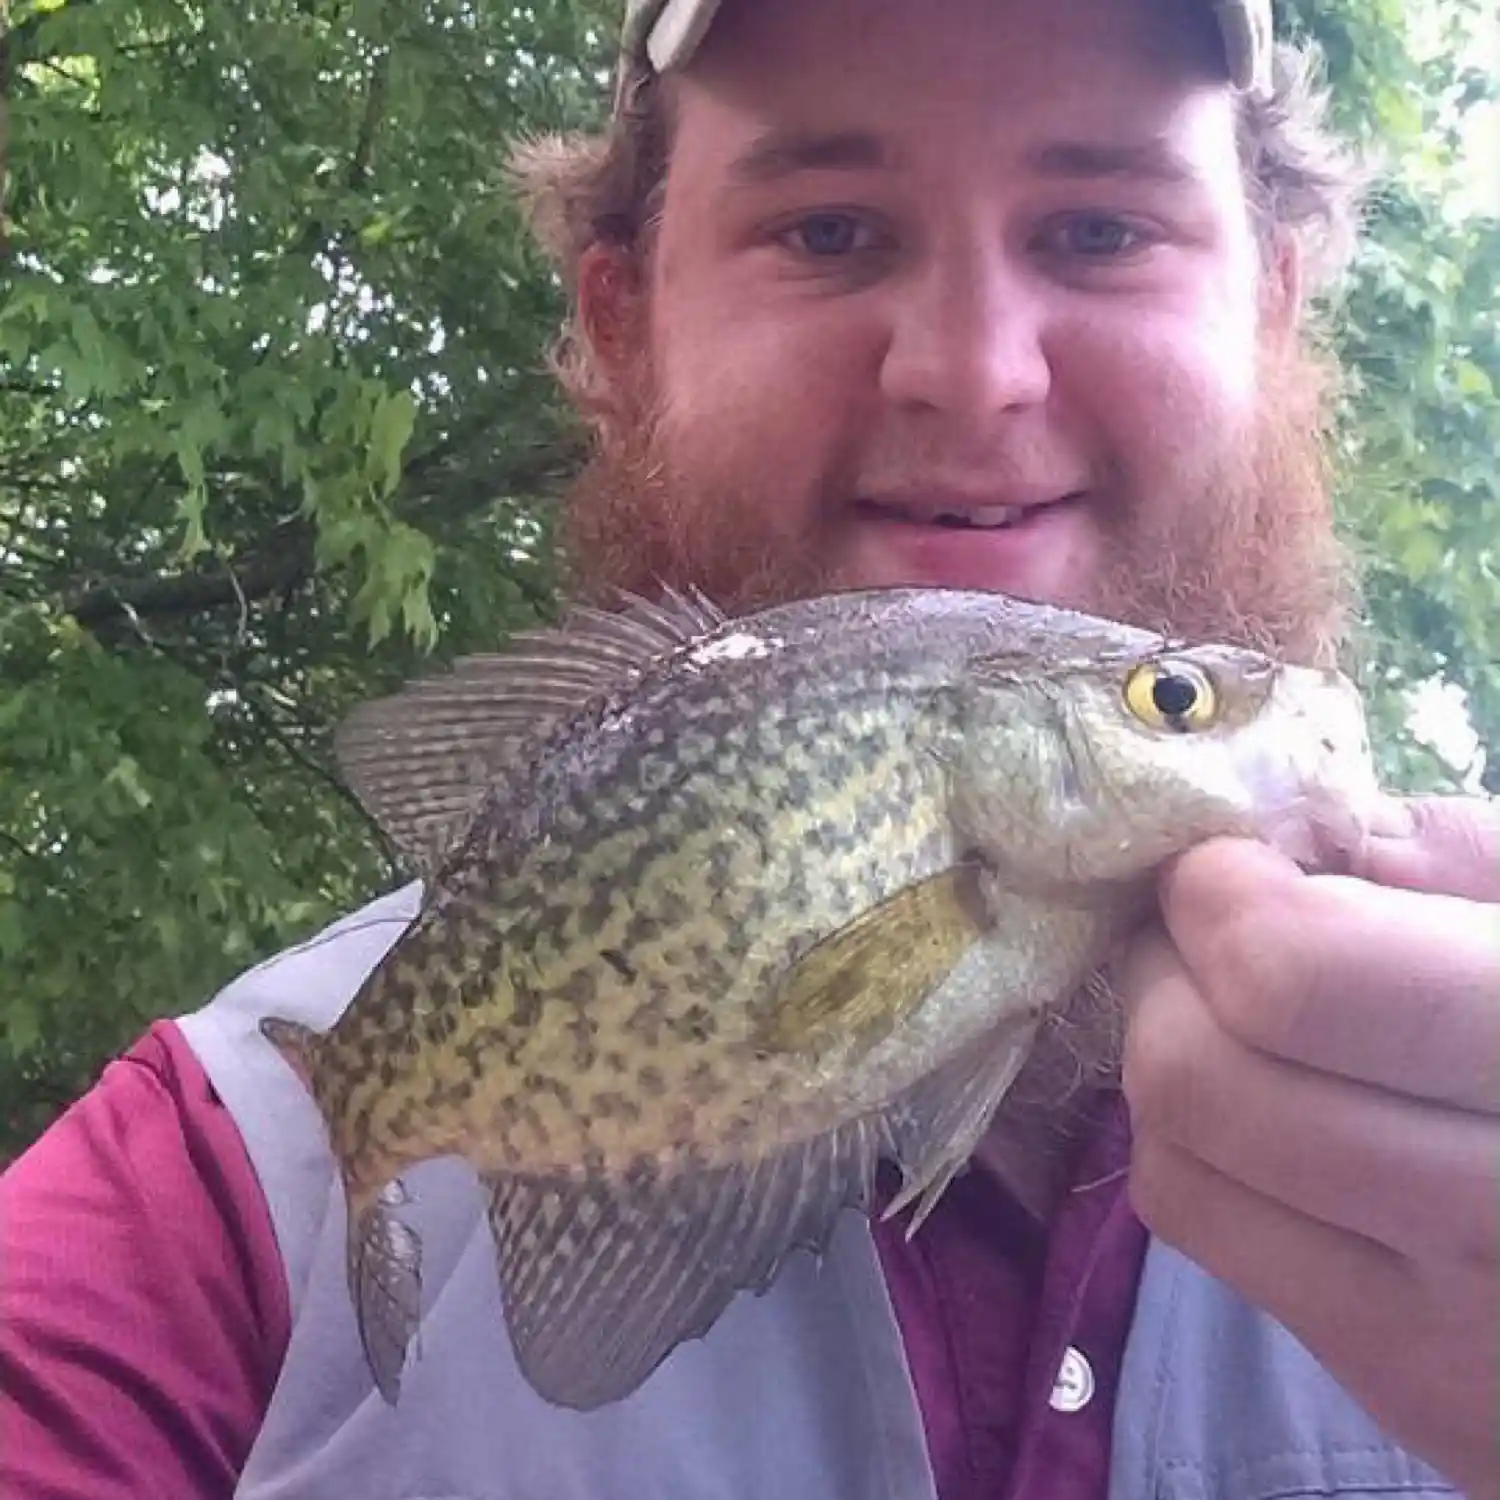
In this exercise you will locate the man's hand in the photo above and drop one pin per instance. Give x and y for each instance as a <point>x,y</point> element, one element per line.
<point>1313,1071</point>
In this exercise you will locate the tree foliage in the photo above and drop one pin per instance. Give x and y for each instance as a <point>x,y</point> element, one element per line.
<point>276,427</point>
<point>1419,335</point>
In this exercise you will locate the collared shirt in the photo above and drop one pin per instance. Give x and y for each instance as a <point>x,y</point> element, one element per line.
<point>144,1312</point>
<point>1014,1333</point>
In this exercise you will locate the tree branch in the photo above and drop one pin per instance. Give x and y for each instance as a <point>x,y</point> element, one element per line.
<point>18,43</point>
<point>317,233</point>
<point>21,547</point>
<point>369,125</point>
<point>431,494</point>
<point>266,717</point>
<point>30,388</point>
<point>287,560</point>
<point>30,857</point>
<point>288,564</point>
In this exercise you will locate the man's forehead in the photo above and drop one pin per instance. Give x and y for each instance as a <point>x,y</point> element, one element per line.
<point>1078,89</point>
<point>664,35</point>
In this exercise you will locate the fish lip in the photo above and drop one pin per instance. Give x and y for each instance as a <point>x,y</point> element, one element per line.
<point>1321,827</point>
<point>1323,838</point>
<point>924,505</point>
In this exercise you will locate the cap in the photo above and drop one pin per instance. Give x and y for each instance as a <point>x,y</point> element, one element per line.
<point>663,34</point>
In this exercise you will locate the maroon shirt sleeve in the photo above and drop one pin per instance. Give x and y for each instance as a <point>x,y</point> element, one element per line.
<point>143,1305</point>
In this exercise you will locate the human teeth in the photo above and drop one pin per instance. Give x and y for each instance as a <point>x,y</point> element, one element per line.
<point>994,515</point>
<point>989,516</point>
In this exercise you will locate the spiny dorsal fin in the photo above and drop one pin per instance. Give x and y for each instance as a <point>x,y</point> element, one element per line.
<point>421,760</point>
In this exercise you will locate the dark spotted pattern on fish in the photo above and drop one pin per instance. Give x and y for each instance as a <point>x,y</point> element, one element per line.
<point>774,897</point>
<point>642,911</point>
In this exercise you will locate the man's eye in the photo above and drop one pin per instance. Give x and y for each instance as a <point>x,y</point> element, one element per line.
<point>828,235</point>
<point>1097,237</point>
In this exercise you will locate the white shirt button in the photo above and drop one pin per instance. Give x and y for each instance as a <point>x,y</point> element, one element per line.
<point>1074,1387</point>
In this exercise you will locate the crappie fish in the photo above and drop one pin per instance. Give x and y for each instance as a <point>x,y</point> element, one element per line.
<point>720,912</point>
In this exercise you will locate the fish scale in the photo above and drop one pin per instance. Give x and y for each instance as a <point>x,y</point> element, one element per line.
<point>658,942</point>
<point>719,913</point>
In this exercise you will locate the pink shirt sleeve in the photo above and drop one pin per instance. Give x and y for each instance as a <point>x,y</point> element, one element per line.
<point>143,1305</point>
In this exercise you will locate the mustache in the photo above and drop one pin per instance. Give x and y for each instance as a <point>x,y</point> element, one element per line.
<point>906,455</point>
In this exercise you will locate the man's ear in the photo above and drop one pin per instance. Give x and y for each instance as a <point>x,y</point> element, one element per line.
<point>610,307</point>
<point>1282,288</point>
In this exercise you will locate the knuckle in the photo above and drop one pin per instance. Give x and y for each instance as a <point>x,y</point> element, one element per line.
<point>1467,826</point>
<point>1163,1061</point>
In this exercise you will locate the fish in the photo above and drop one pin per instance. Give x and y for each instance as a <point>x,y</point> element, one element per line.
<point>720,912</point>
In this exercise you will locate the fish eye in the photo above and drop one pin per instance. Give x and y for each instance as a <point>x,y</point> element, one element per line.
<point>1172,695</point>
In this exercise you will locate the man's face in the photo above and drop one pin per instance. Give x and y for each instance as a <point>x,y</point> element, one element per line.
<point>962,292</point>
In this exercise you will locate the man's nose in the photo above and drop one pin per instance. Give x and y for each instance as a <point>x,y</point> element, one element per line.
<point>967,340</point>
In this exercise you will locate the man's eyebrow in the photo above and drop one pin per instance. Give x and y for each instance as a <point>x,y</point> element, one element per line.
<point>1153,160</point>
<point>781,153</point>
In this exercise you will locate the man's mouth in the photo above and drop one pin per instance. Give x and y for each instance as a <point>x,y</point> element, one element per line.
<point>956,517</point>
<point>1024,539</point>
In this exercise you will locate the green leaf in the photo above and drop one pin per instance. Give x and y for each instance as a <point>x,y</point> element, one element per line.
<point>22,1025</point>
<point>391,427</point>
<point>1473,381</point>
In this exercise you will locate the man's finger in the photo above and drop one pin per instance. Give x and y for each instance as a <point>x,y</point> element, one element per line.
<point>1417,1177</point>
<point>1453,847</point>
<point>1386,1327</point>
<point>1395,988</point>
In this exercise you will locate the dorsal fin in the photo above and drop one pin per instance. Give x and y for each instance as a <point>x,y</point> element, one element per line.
<point>421,760</point>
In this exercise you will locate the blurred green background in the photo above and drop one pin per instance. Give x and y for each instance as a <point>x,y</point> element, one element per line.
<point>275,430</point>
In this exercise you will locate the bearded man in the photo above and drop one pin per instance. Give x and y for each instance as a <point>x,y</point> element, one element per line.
<point>864,292</point>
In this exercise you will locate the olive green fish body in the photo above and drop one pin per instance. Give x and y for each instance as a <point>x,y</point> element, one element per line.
<point>720,913</point>
<point>587,986</point>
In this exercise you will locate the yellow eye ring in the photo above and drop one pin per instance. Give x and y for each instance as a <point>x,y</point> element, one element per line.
<point>1172,695</point>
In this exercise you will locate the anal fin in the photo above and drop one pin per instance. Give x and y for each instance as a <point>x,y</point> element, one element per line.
<point>603,1277</point>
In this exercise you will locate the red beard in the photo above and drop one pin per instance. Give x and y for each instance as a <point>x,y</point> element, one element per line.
<point>1251,559</point>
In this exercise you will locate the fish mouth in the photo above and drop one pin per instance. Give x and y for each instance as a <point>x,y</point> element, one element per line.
<point>1321,835</point>
<point>1322,823</point>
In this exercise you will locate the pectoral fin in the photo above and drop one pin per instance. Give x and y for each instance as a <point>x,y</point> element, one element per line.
<point>857,985</point>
